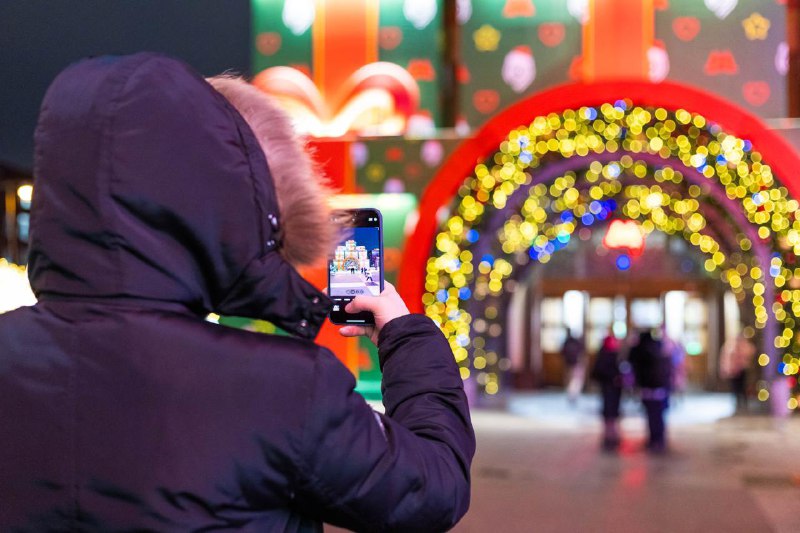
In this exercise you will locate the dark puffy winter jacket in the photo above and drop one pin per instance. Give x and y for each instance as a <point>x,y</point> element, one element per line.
<point>651,366</point>
<point>121,408</point>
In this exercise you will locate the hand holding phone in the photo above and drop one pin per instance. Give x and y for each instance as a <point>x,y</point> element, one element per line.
<point>355,268</point>
<point>384,308</point>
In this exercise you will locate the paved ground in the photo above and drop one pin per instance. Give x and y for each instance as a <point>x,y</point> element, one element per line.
<point>539,469</point>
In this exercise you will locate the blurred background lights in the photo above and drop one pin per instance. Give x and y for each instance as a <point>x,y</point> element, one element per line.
<point>25,195</point>
<point>15,291</point>
<point>677,197</point>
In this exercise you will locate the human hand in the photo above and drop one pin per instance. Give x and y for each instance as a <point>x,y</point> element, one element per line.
<point>385,307</point>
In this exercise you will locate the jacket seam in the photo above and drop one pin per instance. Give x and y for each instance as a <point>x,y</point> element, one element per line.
<point>108,145</point>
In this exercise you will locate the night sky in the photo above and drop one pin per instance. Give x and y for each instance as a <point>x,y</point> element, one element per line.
<point>39,38</point>
<point>366,237</point>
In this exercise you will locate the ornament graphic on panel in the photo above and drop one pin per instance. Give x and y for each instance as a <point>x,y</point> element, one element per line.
<point>721,8</point>
<point>782,59</point>
<point>519,8</point>
<point>579,9</point>
<point>298,15</point>
<point>519,68</point>
<point>420,13</point>
<point>463,11</point>
<point>658,61</point>
<point>511,48</point>
<point>735,48</point>
<point>686,28</point>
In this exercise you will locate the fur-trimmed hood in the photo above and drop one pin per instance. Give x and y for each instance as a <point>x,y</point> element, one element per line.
<point>302,190</point>
<point>150,187</point>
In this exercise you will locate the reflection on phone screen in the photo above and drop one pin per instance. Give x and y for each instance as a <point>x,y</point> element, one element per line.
<point>355,266</point>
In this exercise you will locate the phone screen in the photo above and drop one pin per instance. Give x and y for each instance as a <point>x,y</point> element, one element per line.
<point>355,267</point>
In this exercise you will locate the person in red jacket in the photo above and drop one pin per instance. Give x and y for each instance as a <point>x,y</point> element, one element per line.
<point>160,198</point>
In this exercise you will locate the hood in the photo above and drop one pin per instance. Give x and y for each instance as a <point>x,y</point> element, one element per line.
<point>150,187</point>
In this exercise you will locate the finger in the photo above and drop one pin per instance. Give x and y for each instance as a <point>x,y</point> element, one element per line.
<point>361,303</point>
<point>324,291</point>
<point>353,331</point>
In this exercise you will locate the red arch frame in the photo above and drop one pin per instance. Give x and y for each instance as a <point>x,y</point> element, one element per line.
<point>776,151</point>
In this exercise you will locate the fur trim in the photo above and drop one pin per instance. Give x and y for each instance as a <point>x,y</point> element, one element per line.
<point>305,218</point>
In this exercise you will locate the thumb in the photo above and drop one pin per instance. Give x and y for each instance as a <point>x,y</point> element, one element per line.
<point>360,303</point>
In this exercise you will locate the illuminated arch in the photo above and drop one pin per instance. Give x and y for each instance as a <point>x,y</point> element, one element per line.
<point>580,144</point>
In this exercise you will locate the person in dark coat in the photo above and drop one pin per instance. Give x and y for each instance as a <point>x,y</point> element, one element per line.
<point>652,368</point>
<point>122,408</point>
<point>607,374</point>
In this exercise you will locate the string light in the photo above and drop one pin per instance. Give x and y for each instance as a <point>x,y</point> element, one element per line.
<point>630,185</point>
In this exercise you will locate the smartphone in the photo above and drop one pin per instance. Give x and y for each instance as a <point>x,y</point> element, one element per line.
<point>355,267</point>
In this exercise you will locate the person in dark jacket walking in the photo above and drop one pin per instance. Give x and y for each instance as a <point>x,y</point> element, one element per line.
<point>160,198</point>
<point>652,368</point>
<point>607,374</point>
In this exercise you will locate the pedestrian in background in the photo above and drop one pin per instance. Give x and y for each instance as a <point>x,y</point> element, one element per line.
<point>607,374</point>
<point>735,360</point>
<point>652,368</point>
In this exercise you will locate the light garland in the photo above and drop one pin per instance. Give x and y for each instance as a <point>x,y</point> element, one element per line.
<point>619,143</point>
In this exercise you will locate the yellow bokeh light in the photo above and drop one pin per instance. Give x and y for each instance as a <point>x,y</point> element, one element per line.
<point>25,193</point>
<point>680,135</point>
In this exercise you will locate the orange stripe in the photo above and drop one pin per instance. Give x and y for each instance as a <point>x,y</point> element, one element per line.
<point>318,48</point>
<point>607,55</point>
<point>371,31</point>
<point>345,39</point>
<point>587,58</point>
